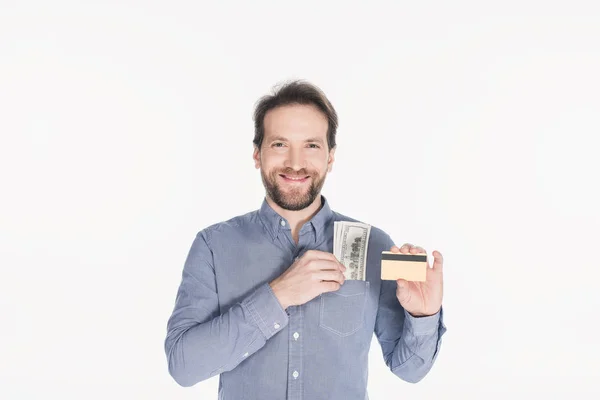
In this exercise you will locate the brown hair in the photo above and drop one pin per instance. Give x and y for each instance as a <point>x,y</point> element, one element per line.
<point>294,92</point>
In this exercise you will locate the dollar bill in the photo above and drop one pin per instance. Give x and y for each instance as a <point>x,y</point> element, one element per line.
<point>350,245</point>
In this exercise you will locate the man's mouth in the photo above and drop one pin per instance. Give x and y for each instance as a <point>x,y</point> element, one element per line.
<point>293,178</point>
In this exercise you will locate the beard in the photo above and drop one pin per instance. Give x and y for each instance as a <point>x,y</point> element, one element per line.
<point>292,199</point>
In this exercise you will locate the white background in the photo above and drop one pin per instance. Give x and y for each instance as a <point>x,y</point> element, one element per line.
<point>465,127</point>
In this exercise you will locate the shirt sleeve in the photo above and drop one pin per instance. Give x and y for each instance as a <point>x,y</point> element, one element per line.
<point>410,345</point>
<point>201,342</point>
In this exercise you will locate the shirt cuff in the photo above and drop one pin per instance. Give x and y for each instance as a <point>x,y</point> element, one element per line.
<point>423,325</point>
<point>266,311</point>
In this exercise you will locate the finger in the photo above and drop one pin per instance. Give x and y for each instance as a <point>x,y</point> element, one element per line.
<point>401,283</point>
<point>323,265</point>
<point>324,256</point>
<point>329,286</point>
<point>395,249</point>
<point>402,291</point>
<point>320,255</point>
<point>336,276</point>
<point>331,265</point>
<point>438,261</point>
<point>416,250</point>
<point>405,248</point>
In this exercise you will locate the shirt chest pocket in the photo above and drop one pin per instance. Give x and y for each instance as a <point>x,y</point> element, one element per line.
<point>342,312</point>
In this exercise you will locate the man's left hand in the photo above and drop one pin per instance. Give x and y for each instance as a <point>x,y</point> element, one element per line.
<point>421,299</point>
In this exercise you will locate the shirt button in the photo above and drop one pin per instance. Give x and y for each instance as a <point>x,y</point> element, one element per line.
<point>245,354</point>
<point>296,335</point>
<point>295,374</point>
<point>276,326</point>
<point>282,223</point>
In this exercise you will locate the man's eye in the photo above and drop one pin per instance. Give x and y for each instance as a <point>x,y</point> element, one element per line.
<point>277,144</point>
<point>314,146</point>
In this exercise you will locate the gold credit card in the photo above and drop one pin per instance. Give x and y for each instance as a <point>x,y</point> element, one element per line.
<point>412,267</point>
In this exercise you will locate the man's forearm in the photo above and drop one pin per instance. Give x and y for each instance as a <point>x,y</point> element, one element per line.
<point>417,349</point>
<point>197,351</point>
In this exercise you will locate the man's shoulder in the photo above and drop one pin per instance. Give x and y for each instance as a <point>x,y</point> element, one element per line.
<point>236,225</point>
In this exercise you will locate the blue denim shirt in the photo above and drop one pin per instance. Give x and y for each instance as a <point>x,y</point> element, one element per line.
<point>227,321</point>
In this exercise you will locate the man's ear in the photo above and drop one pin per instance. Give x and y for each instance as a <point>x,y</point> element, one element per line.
<point>256,157</point>
<point>331,159</point>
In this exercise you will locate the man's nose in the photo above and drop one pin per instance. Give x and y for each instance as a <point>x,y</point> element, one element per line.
<point>295,159</point>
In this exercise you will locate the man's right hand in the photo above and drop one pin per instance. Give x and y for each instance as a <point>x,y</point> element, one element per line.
<point>314,273</point>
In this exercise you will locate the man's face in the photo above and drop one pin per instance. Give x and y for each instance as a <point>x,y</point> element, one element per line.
<point>294,158</point>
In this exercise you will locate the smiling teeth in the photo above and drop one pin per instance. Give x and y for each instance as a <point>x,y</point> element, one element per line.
<point>294,179</point>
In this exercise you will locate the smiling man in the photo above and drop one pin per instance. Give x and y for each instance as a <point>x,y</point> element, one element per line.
<point>263,301</point>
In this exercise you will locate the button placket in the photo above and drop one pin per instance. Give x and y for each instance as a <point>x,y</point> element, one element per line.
<point>295,354</point>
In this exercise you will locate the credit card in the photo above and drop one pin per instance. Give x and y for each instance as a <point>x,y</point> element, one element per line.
<point>412,267</point>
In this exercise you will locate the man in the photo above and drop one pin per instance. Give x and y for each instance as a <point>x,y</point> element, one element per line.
<point>264,303</point>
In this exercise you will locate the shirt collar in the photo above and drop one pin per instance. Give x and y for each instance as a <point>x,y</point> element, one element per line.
<point>275,222</point>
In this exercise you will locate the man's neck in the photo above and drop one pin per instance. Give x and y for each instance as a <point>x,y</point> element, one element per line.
<point>297,219</point>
